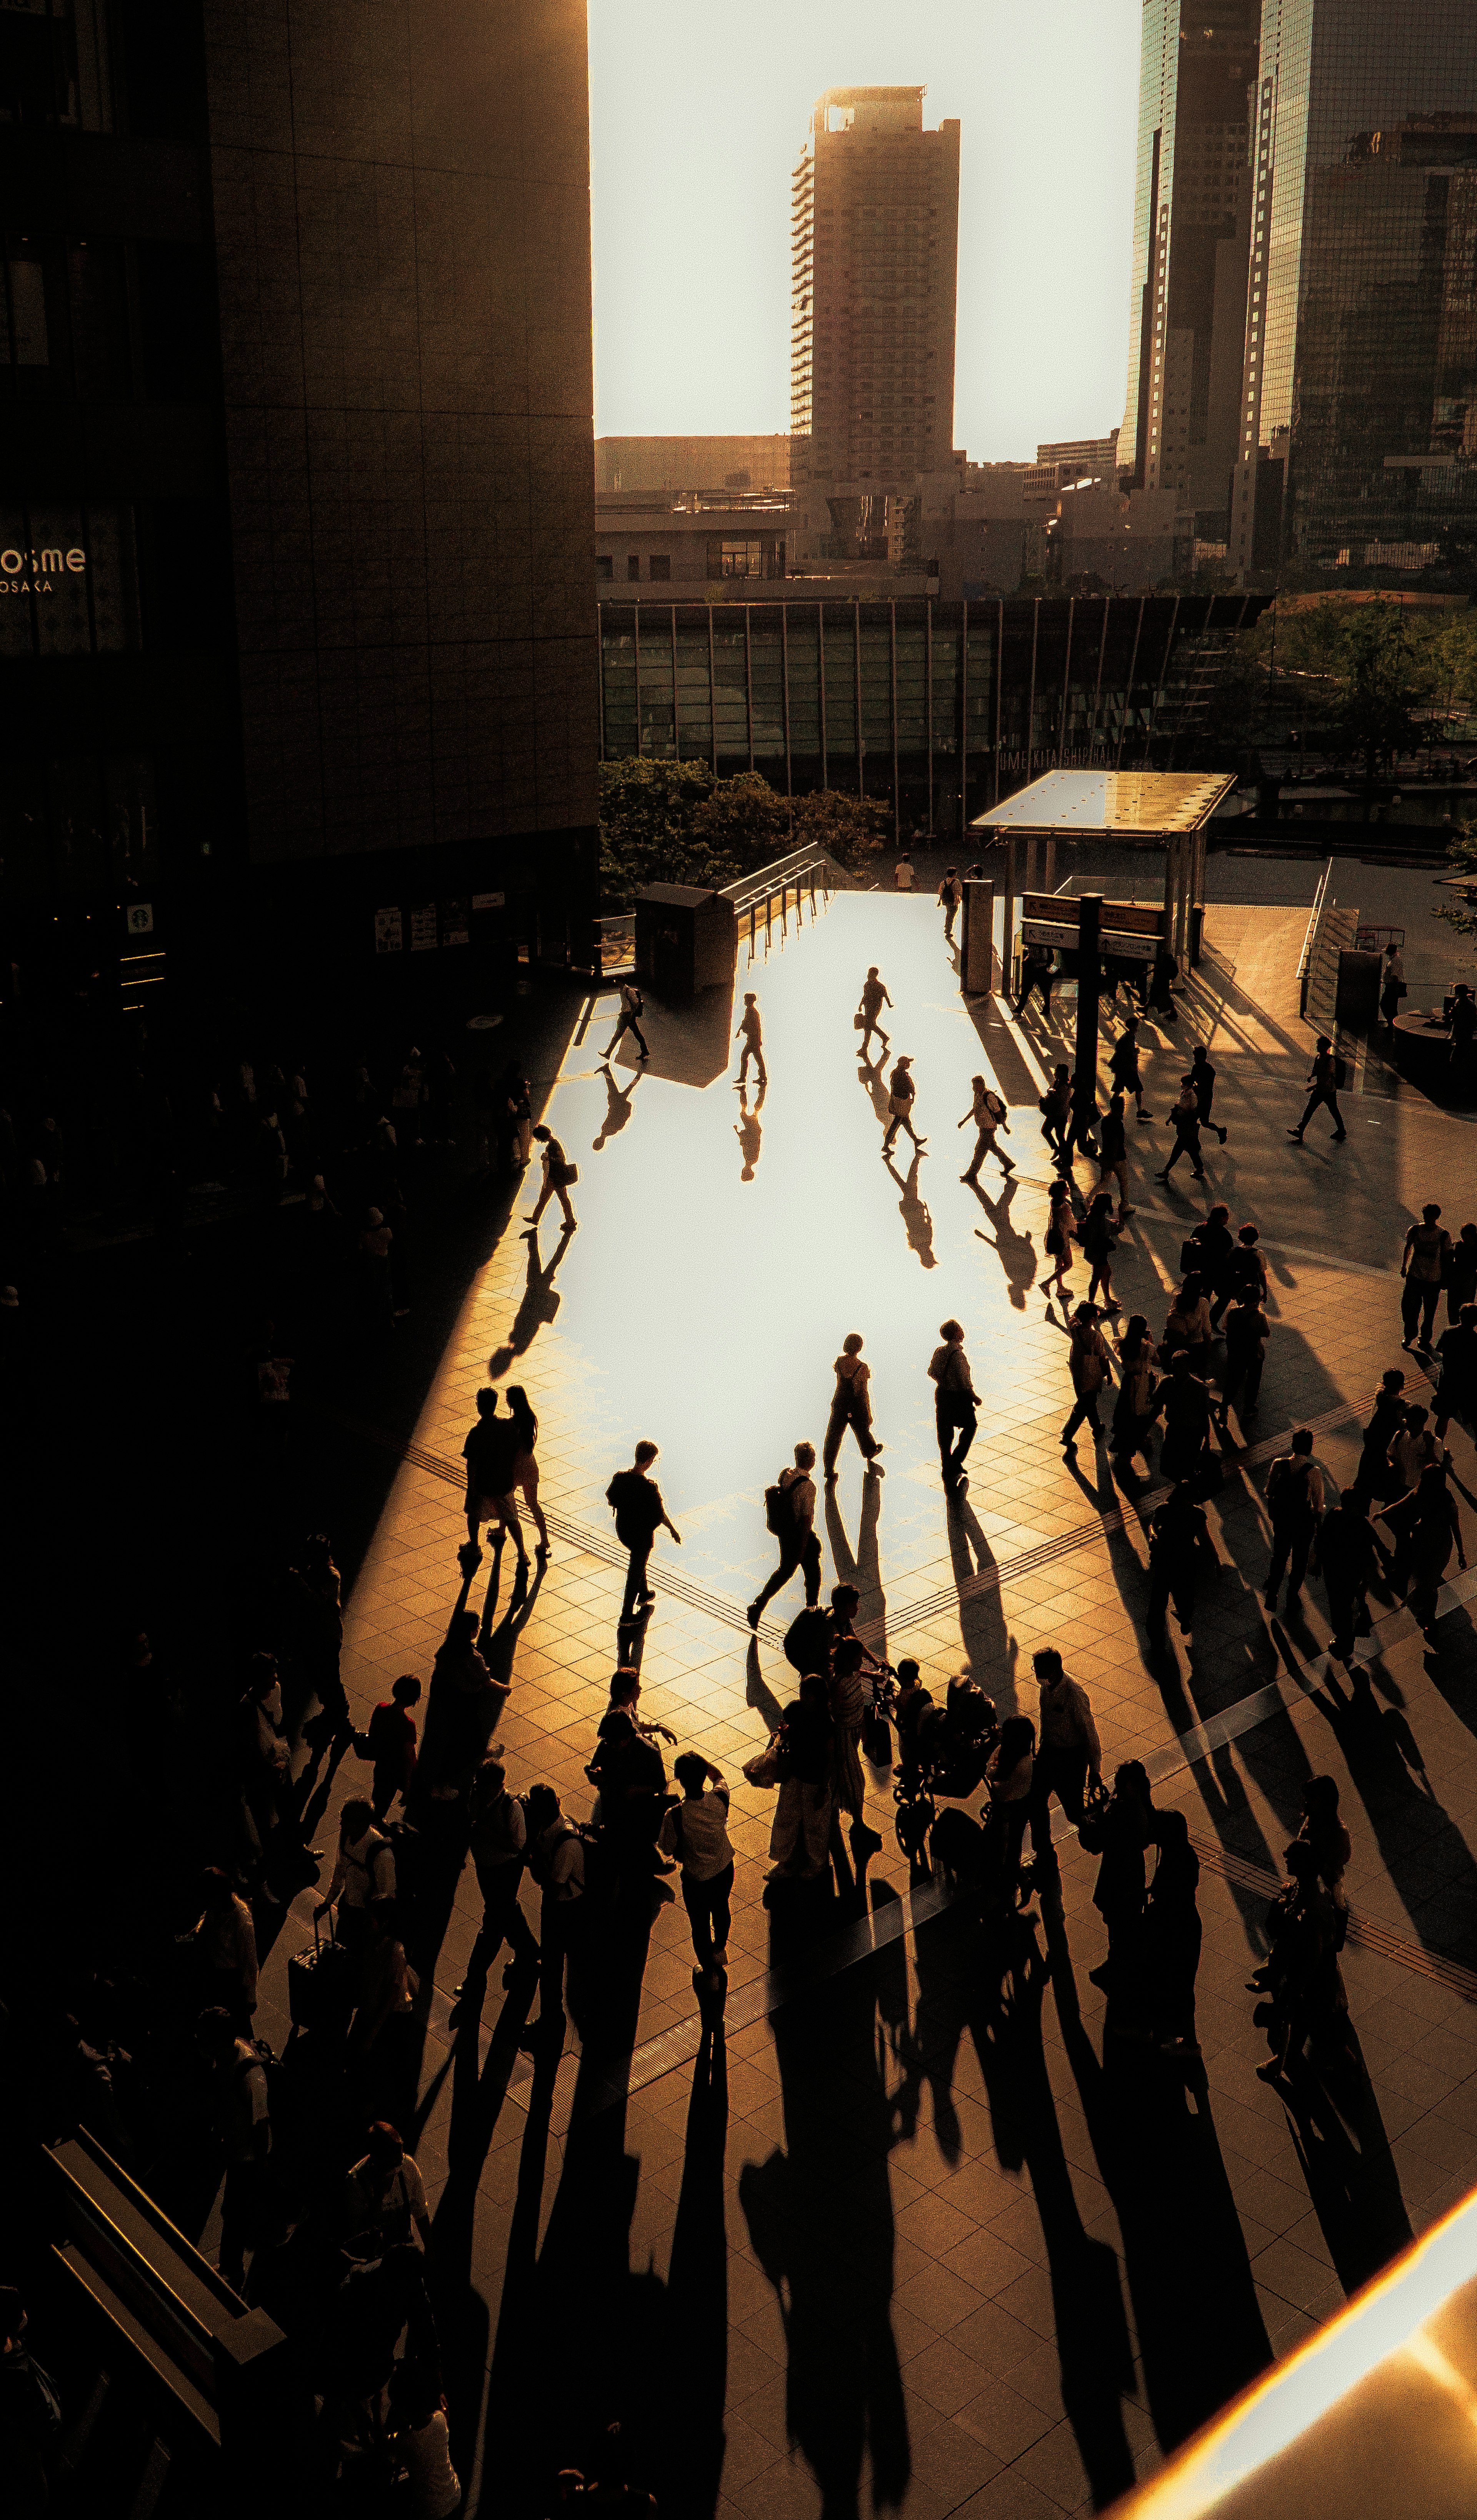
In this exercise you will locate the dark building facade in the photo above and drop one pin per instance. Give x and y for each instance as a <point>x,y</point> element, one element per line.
<point>940,708</point>
<point>296,468</point>
<point>1358,418</point>
<point>1191,231</point>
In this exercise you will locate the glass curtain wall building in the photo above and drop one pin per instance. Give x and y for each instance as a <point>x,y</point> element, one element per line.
<point>937,708</point>
<point>1358,461</point>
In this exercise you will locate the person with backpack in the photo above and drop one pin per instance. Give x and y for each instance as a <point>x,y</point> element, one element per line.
<point>1295,1501</point>
<point>497,1842</point>
<point>956,1402</point>
<point>390,1743</point>
<point>696,1834</point>
<point>242,2117</point>
<point>850,1405</point>
<point>556,1864</point>
<point>1185,1116</point>
<point>558,1176</point>
<point>1424,1263</point>
<point>1328,1074</point>
<point>951,893</point>
<point>635,1500</point>
<point>1243,1270</point>
<point>363,1870</point>
<point>989,1113</point>
<point>789,1513</point>
<point>632,1008</point>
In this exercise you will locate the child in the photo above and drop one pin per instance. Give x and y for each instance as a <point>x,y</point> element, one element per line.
<point>390,1742</point>
<point>697,1833</point>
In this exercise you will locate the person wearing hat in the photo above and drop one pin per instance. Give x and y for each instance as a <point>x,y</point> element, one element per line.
<point>901,1095</point>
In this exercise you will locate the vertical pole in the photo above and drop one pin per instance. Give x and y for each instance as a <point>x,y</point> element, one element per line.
<point>1007,932</point>
<point>749,681</point>
<point>1128,696</point>
<point>676,720</point>
<point>1197,890</point>
<point>1066,680</point>
<point>964,720</point>
<point>635,630</point>
<point>1159,686</point>
<point>784,680</point>
<point>1089,974</point>
<point>599,649</point>
<point>892,659</point>
<point>1000,687</point>
<point>928,696</point>
<point>820,686</point>
<point>1098,685</point>
<point>1031,701</point>
<point>712,697</point>
<point>856,634</point>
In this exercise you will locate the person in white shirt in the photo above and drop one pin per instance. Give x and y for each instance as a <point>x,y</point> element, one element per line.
<point>902,872</point>
<point>419,2438</point>
<point>632,1005</point>
<point>363,1870</point>
<point>696,1834</point>
<point>384,2192</point>
<point>794,1523</point>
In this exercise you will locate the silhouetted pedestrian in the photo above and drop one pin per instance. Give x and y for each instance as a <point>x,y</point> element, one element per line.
<point>1246,1335</point>
<point>1112,1155</point>
<point>1423,1265</point>
<point>1386,1417</point>
<point>559,1174</point>
<point>1179,1550</point>
<point>1091,1367</point>
<point>1185,1116</point>
<point>750,1032</point>
<point>850,1405</point>
<point>632,1009</point>
<point>1243,1270</point>
<point>902,1093</point>
<point>1069,1753</point>
<point>1295,1502</point>
<point>1203,1078</point>
<point>1349,1557</point>
<point>789,1513</point>
<point>1098,1236</point>
<point>951,893</point>
<point>1456,1392</point>
<point>956,1402</point>
<point>988,1113</point>
<point>1036,972</point>
<point>1123,1067</point>
<point>497,1844</point>
<point>1427,1526</point>
<point>1133,1411</point>
<point>1119,1834</point>
<point>635,1500</point>
<point>696,1834</point>
<point>874,998</point>
<point>1324,1082</point>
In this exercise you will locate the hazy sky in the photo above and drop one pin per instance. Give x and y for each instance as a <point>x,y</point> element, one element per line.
<point>699,113</point>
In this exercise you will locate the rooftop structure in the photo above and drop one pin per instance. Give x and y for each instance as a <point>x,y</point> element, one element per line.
<point>1122,805</point>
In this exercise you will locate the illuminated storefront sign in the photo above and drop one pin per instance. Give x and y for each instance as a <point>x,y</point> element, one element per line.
<point>34,572</point>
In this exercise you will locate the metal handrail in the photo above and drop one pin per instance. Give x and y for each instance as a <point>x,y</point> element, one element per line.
<point>782,871</point>
<point>1310,939</point>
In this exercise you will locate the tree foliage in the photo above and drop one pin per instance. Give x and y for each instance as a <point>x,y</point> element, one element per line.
<point>850,828</point>
<point>672,822</point>
<point>1364,681</point>
<point>1461,859</point>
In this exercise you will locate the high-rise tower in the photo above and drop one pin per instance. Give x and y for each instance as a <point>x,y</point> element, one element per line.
<point>874,280</point>
<point>1357,430</point>
<point>1191,231</point>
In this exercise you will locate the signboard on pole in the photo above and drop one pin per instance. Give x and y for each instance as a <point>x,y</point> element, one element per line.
<point>389,933</point>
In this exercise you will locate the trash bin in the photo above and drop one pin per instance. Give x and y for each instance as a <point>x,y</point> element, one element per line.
<point>686,939</point>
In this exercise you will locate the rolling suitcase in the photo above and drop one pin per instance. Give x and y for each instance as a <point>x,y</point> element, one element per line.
<point>321,1986</point>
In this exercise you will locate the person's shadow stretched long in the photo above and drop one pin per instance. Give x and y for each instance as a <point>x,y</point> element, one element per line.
<point>538,1308</point>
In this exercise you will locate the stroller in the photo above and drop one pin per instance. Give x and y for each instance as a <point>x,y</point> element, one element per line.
<point>951,1751</point>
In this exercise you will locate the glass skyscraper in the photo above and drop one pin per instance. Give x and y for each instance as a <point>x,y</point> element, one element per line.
<point>1357,457</point>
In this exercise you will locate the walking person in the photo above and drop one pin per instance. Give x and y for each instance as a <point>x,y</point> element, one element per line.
<point>390,1743</point>
<point>850,1405</point>
<point>1295,1501</point>
<point>1186,1117</point>
<point>1423,1265</point>
<point>1412,1450</point>
<point>752,1033</point>
<point>1112,1155</point>
<point>1461,1273</point>
<point>1246,1335</point>
<point>1184,1403</point>
<point>524,1471</point>
<point>1179,1544</point>
<point>1457,1391</point>
<point>1349,1557</point>
<point>1056,1108</point>
<point>1061,1226</point>
<point>1244,1271</point>
<point>1386,1419</point>
<point>1036,972</point>
<point>556,1864</point>
<point>1091,1367</point>
<point>1123,1067</point>
<point>850,1699</point>
<point>497,1844</point>
<point>364,1868</point>
<point>695,1834</point>
<point>559,1175</point>
<point>951,893</point>
<point>1132,1412</point>
<point>988,1113</point>
<point>1392,984</point>
<point>489,1452</point>
<point>902,1093</point>
<point>1120,1835</point>
<point>1427,1526</point>
<point>789,1513</point>
<point>1069,1753</point>
<point>244,2128</point>
<point>1327,1074</point>
<point>1203,1078</point>
<point>799,1842</point>
<point>635,1500</point>
<point>874,998</point>
<point>956,1402</point>
<point>632,1009</point>
<point>1098,1237</point>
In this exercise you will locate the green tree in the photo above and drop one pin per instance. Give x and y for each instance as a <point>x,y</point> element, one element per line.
<point>743,821</point>
<point>850,828</point>
<point>647,812</point>
<point>1461,859</point>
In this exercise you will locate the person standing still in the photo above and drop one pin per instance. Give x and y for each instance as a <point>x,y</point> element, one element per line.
<point>850,1405</point>
<point>790,1510</point>
<point>1323,1087</point>
<point>874,998</point>
<point>951,893</point>
<point>635,1500</point>
<point>988,1113</point>
<point>1426,1255</point>
<point>1295,1501</point>
<point>631,1005</point>
<point>750,1032</point>
<point>901,1095</point>
<point>696,1835</point>
<point>559,1173</point>
<point>1392,984</point>
<point>956,1402</point>
<point>902,872</point>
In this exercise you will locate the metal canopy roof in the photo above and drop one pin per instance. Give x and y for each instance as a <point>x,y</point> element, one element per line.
<point>1127,805</point>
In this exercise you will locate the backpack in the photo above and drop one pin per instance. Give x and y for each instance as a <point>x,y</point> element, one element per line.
<point>490,1835</point>
<point>807,1641</point>
<point>994,1110</point>
<point>541,1855</point>
<point>780,1510</point>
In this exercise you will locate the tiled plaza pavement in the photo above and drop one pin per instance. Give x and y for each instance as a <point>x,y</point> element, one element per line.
<point>900,2239</point>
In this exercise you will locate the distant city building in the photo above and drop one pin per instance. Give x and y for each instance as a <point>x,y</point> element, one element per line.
<point>1358,439</point>
<point>874,260</point>
<point>675,465</point>
<point>1191,234</point>
<point>644,540</point>
<point>1094,455</point>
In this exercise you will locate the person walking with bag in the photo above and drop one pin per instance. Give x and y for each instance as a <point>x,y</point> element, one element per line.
<point>902,1093</point>
<point>1185,1116</point>
<point>988,1113</point>
<point>951,893</point>
<point>1123,1067</point>
<point>558,1177</point>
<point>635,1500</point>
<point>789,1513</point>
<point>874,998</point>
<point>1327,1075</point>
<point>1091,1367</point>
<point>956,1402</point>
<point>632,1008</point>
<point>850,1405</point>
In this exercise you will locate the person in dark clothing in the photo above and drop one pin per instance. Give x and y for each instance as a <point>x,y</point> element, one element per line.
<point>1163,973</point>
<point>1098,1236</point>
<point>1461,1273</point>
<point>462,1711</point>
<point>956,1402</point>
<point>1456,1392</point>
<point>1423,1265</point>
<point>497,1844</point>
<point>1426,1525</point>
<point>1035,973</point>
<point>1323,1087</point>
<point>1184,1403</point>
<point>1464,1027</point>
<point>635,1500</point>
<point>488,1453</point>
<point>1186,1117</point>
<point>1112,1155</point>
<point>1244,1267</point>
<point>1123,1067</point>
<point>1246,1335</point>
<point>1171,1942</point>
<point>791,1514</point>
<point>1119,1834</point>
<point>1349,1555</point>
<point>630,1776</point>
<point>1214,1245</point>
<point>1179,1546</point>
<point>1056,1111</point>
<point>912,1703</point>
<point>1373,1476</point>
<point>1204,1076</point>
<point>1082,1130</point>
<point>390,1743</point>
<point>1295,1501</point>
